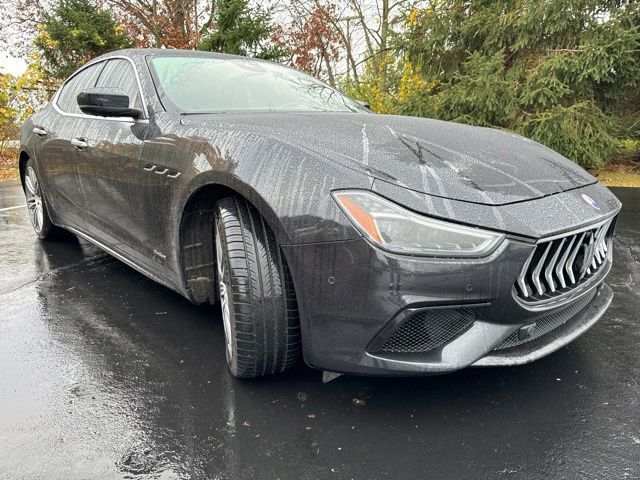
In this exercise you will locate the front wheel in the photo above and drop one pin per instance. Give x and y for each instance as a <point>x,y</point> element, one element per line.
<point>36,206</point>
<point>257,299</point>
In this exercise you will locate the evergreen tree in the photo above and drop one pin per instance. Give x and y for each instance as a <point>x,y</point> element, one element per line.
<point>74,33</point>
<point>563,72</point>
<point>241,30</point>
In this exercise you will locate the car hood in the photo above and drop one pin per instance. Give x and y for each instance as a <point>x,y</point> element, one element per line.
<point>443,159</point>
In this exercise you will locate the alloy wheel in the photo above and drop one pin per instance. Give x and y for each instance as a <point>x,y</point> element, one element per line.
<point>223,291</point>
<point>34,199</point>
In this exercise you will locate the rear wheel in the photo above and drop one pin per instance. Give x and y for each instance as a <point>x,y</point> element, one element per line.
<point>36,205</point>
<point>257,300</point>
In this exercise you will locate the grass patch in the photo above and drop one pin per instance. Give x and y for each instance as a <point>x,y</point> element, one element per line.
<point>620,173</point>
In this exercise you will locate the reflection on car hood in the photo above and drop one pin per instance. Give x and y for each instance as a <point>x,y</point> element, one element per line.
<point>439,158</point>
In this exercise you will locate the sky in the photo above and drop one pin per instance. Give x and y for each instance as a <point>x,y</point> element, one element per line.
<point>9,64</point>
<point>12,65</point>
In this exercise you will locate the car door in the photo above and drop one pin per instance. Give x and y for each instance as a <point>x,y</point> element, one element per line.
<point>109,172</point>
<point>57,126</point>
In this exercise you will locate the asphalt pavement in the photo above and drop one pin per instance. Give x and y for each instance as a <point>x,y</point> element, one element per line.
<point>106,375</point>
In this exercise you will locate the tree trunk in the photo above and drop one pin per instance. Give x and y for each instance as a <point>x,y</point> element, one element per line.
<point>156,34</point>
<point>327,63</point>
<point>384,34</point>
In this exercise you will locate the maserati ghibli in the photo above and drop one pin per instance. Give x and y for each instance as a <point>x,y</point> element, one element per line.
<point>363,243</point>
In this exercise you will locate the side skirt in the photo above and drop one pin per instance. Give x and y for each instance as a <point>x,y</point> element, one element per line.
<point>146,272</point>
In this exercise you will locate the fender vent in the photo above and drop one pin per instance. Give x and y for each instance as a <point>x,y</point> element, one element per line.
<point>428,329</point>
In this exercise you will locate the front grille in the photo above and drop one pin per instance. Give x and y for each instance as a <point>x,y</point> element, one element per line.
<point>549,323</point>
<point>428,329</point>
<point>561,264</point>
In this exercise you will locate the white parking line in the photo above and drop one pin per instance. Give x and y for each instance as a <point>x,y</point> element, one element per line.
<point>12,208</point>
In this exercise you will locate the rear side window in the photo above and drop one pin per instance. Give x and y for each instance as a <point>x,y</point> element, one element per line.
<point>118,73</point>
<point>85,79</point>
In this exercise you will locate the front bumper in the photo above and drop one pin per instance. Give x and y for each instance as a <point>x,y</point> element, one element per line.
<point>558,338</point>
<point>351,293</point>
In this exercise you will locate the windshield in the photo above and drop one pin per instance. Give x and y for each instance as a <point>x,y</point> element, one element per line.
<point>197,84</point>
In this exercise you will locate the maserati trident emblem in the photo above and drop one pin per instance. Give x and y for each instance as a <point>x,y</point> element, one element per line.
<point>591,201</point>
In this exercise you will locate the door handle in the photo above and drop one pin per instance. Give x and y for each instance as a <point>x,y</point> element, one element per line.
<point>79,143</point>
<point>41,132</point>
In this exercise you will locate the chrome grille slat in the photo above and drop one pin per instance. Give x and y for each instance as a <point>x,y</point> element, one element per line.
<point>548,274</point>
<point>523,286</point>
<point>596,248</point>
<point>589,251</point>
<point>569,266</point>
<point>601,245</point>
<point>536,272</point>
<point>563,262</point>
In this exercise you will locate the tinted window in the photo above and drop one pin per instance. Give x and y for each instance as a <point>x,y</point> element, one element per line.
<point>199,84</point>
<point>82,81</point>
<point>119,73</point>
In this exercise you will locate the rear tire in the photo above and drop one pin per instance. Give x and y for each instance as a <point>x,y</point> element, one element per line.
<point>257,299</point>
<point>36,204</point>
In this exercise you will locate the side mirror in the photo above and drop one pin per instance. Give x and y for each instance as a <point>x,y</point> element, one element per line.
<point>366,105</point>
<point>107,102</point>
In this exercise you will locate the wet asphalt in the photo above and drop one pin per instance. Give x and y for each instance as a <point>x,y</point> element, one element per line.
<point>105,374</point>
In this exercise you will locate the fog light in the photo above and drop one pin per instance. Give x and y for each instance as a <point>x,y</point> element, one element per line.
<point>526,331</point>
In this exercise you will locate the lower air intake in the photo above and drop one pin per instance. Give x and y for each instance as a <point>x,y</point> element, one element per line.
<point>549,323</point>
<point>428,329</point>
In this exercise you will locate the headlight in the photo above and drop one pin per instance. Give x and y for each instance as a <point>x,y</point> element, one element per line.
<point>399,230</point>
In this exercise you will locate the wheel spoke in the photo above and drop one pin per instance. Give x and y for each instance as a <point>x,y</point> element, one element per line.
<point>219,262</point>
<point>32,216</point>
<point>226,315</point>
<point>36,185</point>
<point>29,184</point>
<point>224,295</point>
<point>39,218</point>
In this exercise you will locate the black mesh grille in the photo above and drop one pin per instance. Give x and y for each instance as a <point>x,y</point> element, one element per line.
<point>549,323</point>
<point>428,329</point>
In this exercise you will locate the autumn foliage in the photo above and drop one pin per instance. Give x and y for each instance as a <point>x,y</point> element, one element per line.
<point>316,44</point>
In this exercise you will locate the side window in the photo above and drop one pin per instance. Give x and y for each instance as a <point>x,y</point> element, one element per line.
<point>119,73</point>
<point>85,79</point>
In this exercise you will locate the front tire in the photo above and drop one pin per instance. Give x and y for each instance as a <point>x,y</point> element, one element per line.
<point>257,299</point>
<point>36,205</point>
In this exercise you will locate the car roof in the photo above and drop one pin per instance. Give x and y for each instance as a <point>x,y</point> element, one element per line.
<point>170,52</point>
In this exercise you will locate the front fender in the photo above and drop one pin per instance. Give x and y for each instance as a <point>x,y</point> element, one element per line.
<point>290,187</point>
<point>225,182</point>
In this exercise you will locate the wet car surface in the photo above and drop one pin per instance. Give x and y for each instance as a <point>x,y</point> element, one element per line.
<point>106,374</point>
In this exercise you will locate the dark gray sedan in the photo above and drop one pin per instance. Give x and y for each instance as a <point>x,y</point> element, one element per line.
<point>367,244</point>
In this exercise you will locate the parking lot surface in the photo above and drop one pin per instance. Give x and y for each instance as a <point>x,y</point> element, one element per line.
<point>105,374</point>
